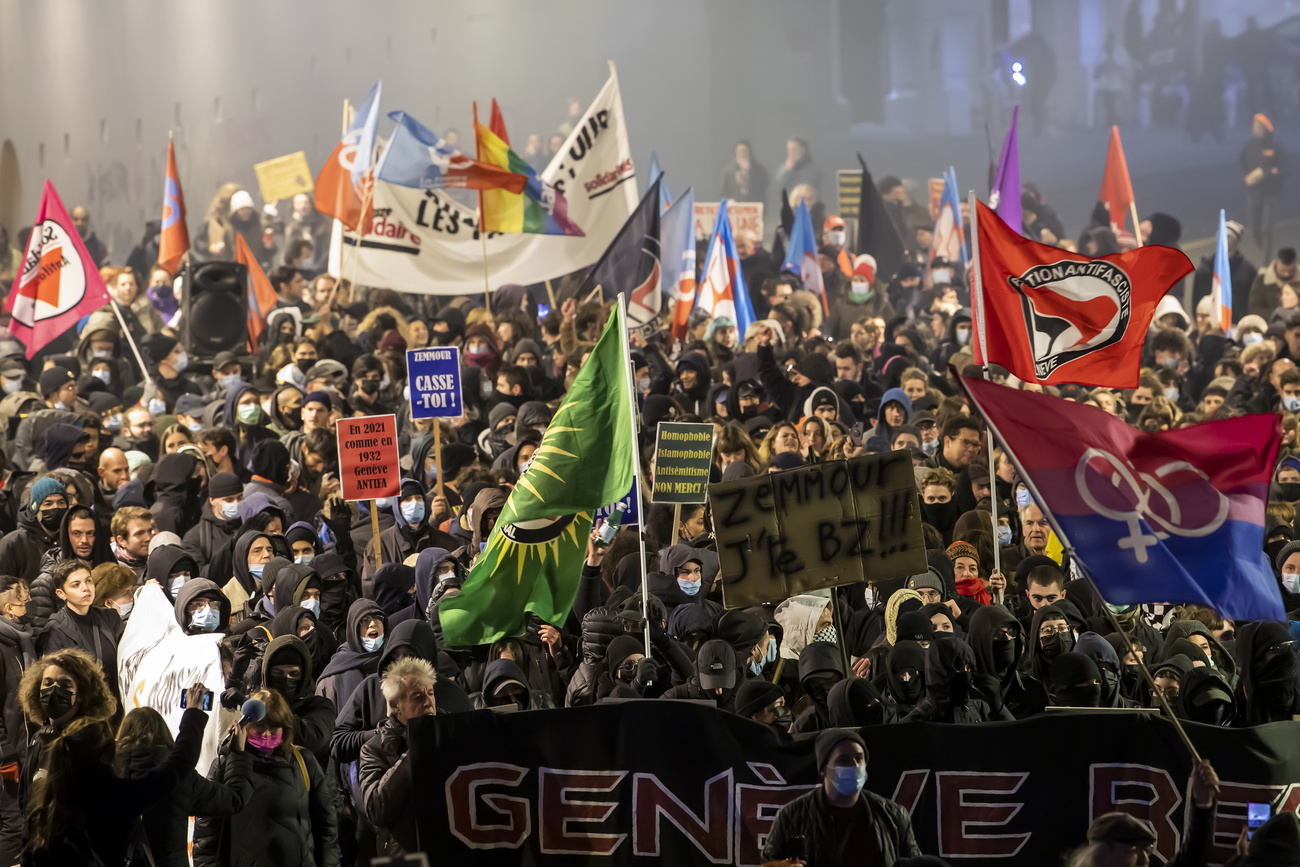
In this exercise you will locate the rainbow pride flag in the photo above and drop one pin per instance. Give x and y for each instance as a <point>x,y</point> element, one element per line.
<point>539,210</point>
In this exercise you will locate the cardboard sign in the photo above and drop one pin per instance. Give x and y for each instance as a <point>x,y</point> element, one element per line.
<point>631,506</point>
<point>683,456</point>
<point>284,177</point>
<point>368,460</point>
<point>434,377</point>
<point>746,216</point>
<point>817,526</point>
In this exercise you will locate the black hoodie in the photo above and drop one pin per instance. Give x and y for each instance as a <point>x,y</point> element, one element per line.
<point>948,698</point>
<point>352,662</point>
<point>819,657</point>
<point>176,489</point>
<point>313,715</point>
<point>902,696</point>
<point>1001,685</point>
<point>1269,688</point>
<point>44,603</point>
<point>193,589</point>
<point>165,560</point>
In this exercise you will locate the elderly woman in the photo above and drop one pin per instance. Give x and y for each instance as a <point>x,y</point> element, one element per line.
<point>386,774</point>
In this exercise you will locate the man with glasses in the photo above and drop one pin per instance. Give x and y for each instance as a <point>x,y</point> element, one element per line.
<point>960,446</point>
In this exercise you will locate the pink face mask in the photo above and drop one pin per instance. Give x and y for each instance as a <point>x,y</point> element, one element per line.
<point>265,743</point>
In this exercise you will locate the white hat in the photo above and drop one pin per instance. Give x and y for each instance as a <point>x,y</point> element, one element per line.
<point>241,199</point>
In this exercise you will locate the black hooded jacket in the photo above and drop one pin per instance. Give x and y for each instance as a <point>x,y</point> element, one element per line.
<point>44,603</point>
<point>313,715</point>
<point>351,662</point>
<point>1003,686</point>
<point>207,540</point>
<point>1269,688</point>
<point>948,667</point>
<point>903,695</point>
<point>176,490</point>
<point>819,657</point>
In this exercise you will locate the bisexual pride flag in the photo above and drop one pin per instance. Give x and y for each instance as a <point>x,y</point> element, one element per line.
<point>1175,516</point>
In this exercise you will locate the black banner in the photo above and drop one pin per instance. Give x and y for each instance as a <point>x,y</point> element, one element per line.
<point>675,783</point>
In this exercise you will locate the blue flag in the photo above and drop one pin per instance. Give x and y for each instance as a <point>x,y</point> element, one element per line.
<point>1221,282</point>
<point>801,254</point>
<point>657,173</point>
<point>418,157</point>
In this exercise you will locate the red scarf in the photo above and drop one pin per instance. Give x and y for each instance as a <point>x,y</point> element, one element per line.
<point>974,588</point>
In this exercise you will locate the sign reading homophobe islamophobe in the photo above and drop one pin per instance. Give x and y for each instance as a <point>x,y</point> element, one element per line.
<point>434,377</point>
<point>369,465</point>
<point>817,526</point>
<point>617,784</point>
<point>683,457</point>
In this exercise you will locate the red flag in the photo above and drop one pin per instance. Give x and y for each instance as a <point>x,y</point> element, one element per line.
<point>1116,188</point>
<point>1052,316</point>
<point>498,123</point>
<point>58,283</point>
<point>335,194</point>
<point>261,295</point>
<point>175,238</point>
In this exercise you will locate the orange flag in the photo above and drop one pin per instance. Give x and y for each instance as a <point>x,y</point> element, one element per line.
<point>498,123</point>
<point>174,241</point>
<point>261,295</point>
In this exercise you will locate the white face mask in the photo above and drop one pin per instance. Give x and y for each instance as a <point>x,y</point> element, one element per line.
<point>1171,394</point>
<point>1251,338</point>
<point>11,385</point>
<point>940,276</point>
<point>102,375</point>
<point>1291,403</point>
<point>230,510</point>
<point>178,581</point>
<point>835,237</point>
<point>124,610</point>
<point>1291,581</point>
<point>963,336</point>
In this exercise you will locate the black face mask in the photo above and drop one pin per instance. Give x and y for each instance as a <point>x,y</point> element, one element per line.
<point>910,690</point>
<point>1078,696</point>
<point>1130,682</point>
<point>1109,687</point>
<point>748,412</point>
<point>305,364</point>
<point>941,516</point>
<point>368,387</point>
<point>56,701</point>
<point>959,687</point>
<point>286,686</point>
<point>783,717</point>
<point>292,418</point>
<point>1053,646</point>
<point>51,519</point>
<point>1289,491</point>
<point>1004,654</point>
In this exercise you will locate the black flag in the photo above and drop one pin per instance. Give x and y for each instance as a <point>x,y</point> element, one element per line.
<point>631,262</point>
<point>876,232</point>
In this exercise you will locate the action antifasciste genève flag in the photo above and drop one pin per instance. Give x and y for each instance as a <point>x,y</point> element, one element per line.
<point>1052,316</point>
<point>58,283</point>
<point>533,559</point>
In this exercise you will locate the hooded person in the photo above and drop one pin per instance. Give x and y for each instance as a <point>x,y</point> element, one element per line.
<point>628,673</point>
<point>715,676</point>
<point>215,530</point>
<point>303,542</point>
<point>423,580</point>
<point>21,551</point>
<point>1204,696</point>
<point>94,551</point>
<point>854,703</point>
<point>1109,669</point>
<point>1183,647</point>
<point>1269,687</point>
<point>359,653</point>
<point>60,442</point>
<point>755,647</point>
<point>340,587</point>
<point>410,534</point>
<point>1036,662</point>
<point>1076,681</point>
<point>691,389</point>
<point>894,410</point>
<point>900,602</point>
<point>270,466</point>
<point>1200,635</point>
<point>303,623</point>
<point>172,568</point>
<point>201,608</point>
<point>393,590</point>
<point>949,674</point>
<point>506,686</point>
<point>246,421</point>
<point>998,641</point>
<point>821,666</point>
<point>744,401</point>
<point>287,669</point>
<point>177,490</point>
<point>757,700</point>
<point>692,625</point>
<point>262,607</point>
<point>904,680</point>
<point>681,580</point>
<point>244,586</point>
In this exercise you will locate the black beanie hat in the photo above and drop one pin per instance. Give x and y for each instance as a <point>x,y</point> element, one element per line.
<point>756,694</point>
<point>159,346</point>
<point>224,485</point>
<point>54,379</point>
<point>828,740</point>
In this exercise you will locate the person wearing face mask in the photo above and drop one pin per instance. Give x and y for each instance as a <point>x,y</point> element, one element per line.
<point>410,534</point>
<point>821,666</point>
<point>177,485</point>
<point>1269,688</point>
<point>949,696</point>
<point>58,387</point>
<point>839,815</point>
<point>172,568</point>
<point>764,703</point>
<point>201,608</point>
<point>358,656</point>
<point>288,784</point>
<point>865,296</point>
<point>287,669</point>
<point>243,416</point>
<point>1076,682</point>
<point>79,624</point>
<point>218,522</point>
<point>303,542</point>
<point>38,526</point>
<point>904,680</point>
<point>714,679</point>
<point>1286,483</point>
<point>755,648</point>
<point>998,641</point>
<point>1109,668</point>
<point>80,536</point>
<point>168,362</point>
<point>1050,635</point>
<point>744,401</point>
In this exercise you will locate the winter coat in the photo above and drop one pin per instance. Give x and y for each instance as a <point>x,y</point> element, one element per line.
<point>386,782</point>
<point>207,539</point>
<point>176,509</point>
<point>21,550</point>
<point>810,816</point>
<point>44,603</point>
<point>16,653</point>
<point>166,824</point>
<point>96,632</point>
<point>313,715</point>
<point>351,662</point>
<point>288,819</point>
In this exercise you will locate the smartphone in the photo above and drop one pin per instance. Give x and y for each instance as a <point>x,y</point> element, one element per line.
<point>207,699</point>
<point>542,310</point>
<point>1257,815</point>
<point>797,848</point>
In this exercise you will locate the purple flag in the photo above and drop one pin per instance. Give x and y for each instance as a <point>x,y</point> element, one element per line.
<point>1005,198</point>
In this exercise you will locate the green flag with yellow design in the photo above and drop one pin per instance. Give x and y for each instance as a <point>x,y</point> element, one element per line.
<point>534,556</point>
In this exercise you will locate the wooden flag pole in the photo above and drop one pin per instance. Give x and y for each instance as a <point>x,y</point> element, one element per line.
<point>629,381</point>
<point>437,452</point>
<point>1137,226</point>
<point>126,332</point>
<point>981,334</point>
<point>374,527</point>
<point>487,286</point>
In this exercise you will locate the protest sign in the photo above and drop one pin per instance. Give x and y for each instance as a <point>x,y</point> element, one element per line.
<point>368,458</point>
<point>683,458</point>
<point>631,506</point>
<point>746,216</point>
<point>284,177</point>
<point>849,186</point>
<point>157,661</point>
<point>434,376</point>
<point>545,786</point>
<point>817,526</point>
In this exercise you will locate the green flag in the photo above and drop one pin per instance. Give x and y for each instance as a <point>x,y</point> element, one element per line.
<point>534,556</point>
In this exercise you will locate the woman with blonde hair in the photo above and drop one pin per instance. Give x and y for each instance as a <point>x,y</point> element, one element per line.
<point>782,437</point>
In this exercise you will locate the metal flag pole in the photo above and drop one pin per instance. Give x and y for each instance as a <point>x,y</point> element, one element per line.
<point>126,332</point>
<point>1069,550</point>
<point>977,294</point>
<point>629,381</point>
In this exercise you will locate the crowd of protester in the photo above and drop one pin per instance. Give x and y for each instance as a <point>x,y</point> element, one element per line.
<point>216,479</point>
